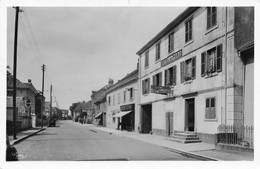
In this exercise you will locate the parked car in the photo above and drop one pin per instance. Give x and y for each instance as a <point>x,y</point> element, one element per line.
<point>11,152</point>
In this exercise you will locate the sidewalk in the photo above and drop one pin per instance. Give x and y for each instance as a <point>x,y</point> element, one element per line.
<point>201,150</point>
<point>21,135</point>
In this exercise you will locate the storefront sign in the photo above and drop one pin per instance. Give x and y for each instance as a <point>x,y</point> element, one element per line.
<point>171,58</point>
<point>127,107</point>
<point>160,89</point>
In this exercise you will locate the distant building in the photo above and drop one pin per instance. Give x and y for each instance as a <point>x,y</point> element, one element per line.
<point>100,105</point>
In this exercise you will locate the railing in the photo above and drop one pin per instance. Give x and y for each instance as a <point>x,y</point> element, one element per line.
<point>236,135</point>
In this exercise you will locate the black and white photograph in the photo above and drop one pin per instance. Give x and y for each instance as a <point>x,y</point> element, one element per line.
<point>157,85</point>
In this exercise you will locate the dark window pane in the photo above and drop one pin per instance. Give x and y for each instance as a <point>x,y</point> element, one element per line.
<point>207,102</point>
<point>212,102</point>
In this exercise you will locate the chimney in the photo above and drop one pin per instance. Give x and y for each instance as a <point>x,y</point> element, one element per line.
<point>110,82</point>
<point>30,81</point>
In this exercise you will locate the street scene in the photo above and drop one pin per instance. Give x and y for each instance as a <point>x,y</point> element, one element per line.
<point>130,84</point>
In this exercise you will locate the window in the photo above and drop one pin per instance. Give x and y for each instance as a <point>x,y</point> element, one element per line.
<point>210,108</point>
<point>188,69</point>
<point>170,76</point>
<point>146,59</point>
<point>118,98</point>
<point>114,119</point>
<point>188,30</point>
<point>146,86</point>
<point>114,100</point>
<point>157,54</point>
<point>124,96</point>
<point>211,61</point>
<point>109,100</point>
<point>157,79</point>
<point>171,42</point>
<point>131,90</point>
<point>211,17</point>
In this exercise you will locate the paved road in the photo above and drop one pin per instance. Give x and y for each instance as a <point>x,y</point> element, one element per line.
<point>72,141</point>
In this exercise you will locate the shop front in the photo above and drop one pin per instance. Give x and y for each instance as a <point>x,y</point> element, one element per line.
<point>126,117</point>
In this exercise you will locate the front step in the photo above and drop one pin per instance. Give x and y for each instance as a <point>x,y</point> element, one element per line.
<point>184,137</point>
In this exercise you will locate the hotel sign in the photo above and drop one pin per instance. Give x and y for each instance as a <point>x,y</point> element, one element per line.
<point>175,56</point>
<point>127,107</point>
<point>160,89</point>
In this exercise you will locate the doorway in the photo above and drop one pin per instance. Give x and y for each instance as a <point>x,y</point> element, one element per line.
<point>189,114</point>
<point>169,123</point>
<point>146,118</point>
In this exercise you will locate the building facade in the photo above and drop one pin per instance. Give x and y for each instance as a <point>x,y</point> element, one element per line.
<point>190,75</point>
<point>100,104</point>
<point>122,103</point>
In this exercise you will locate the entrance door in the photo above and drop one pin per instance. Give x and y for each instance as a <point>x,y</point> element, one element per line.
<point>189,115</point>
<point>169,123</point>
<point>147,118</point>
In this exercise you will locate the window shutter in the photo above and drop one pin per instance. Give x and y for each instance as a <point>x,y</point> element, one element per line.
<point>193,62</point>
<point>203,63</point>
<point>174,75</point>
<point>160,79</point>
<point>207,108</point>
<point>207,62</point>
<point>143,86</point>
<point>182,72</point>
<point>165,78</point>
<point>148,89</point>
<point>154,80</point>
<point>208,17</point>
<point>219,58</point>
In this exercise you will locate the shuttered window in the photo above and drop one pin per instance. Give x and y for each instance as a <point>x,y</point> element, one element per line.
<point>146,86</point>
<point>171,42</point>
<point>157,79</point>
<point>170,76</point>
<point>158,52</point>
<point>211,17</point>
<point>210,108</point>
<point>188,69</point>
<point>146,59</point>
<point>211,60</point>
<point>188,30</point>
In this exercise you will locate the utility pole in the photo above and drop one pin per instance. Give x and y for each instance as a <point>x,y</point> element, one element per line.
<point>14,70</point>
<point>51,101</point>
<point>43,69</point>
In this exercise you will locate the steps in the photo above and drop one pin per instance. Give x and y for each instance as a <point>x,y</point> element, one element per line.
<point>184,137</point>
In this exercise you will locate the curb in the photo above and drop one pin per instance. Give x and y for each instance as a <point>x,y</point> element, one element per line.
<point>194,155</point>
<point>25,137</point>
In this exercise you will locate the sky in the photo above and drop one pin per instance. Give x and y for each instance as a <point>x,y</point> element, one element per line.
<point>81,46</point>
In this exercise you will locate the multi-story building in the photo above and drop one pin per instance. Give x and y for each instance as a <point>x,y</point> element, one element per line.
<point>100,104</point>
<point>122,103</point>
<point>191,74</point>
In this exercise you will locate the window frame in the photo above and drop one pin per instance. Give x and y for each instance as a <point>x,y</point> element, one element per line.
<point>146,86</point>
<point>211,17</point>
<point>157,79</point>
<point>146,61</point>
<point>124,96</point>
<point>183,67</point>
<point>158,51</point>
<point>209,109</point>
<point>171,42</point>
<point>188,30</point>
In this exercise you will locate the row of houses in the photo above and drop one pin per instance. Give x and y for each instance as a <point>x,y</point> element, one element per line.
<point>194,76</point>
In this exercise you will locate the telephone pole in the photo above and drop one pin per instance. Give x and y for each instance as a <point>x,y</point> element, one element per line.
<point>51,101</point>
<point>14,70</point>
<point>43,69</point>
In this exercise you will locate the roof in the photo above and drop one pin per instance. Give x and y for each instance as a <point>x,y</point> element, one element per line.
<point>125,80</point>
<point>100,95</point>
<point>84,106</point>
<point>188,11</point>
<point>9,82</point>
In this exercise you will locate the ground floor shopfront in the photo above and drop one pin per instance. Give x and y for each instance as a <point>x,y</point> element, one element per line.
<point>122,118</point>
<point>199,112</point>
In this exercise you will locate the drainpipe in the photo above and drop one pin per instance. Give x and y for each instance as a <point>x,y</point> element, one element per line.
<point>139,126</point>
<point>226,68</point>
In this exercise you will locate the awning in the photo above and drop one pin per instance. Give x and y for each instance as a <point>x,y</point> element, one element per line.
<point>122,113</point>
<point>99,114</point>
